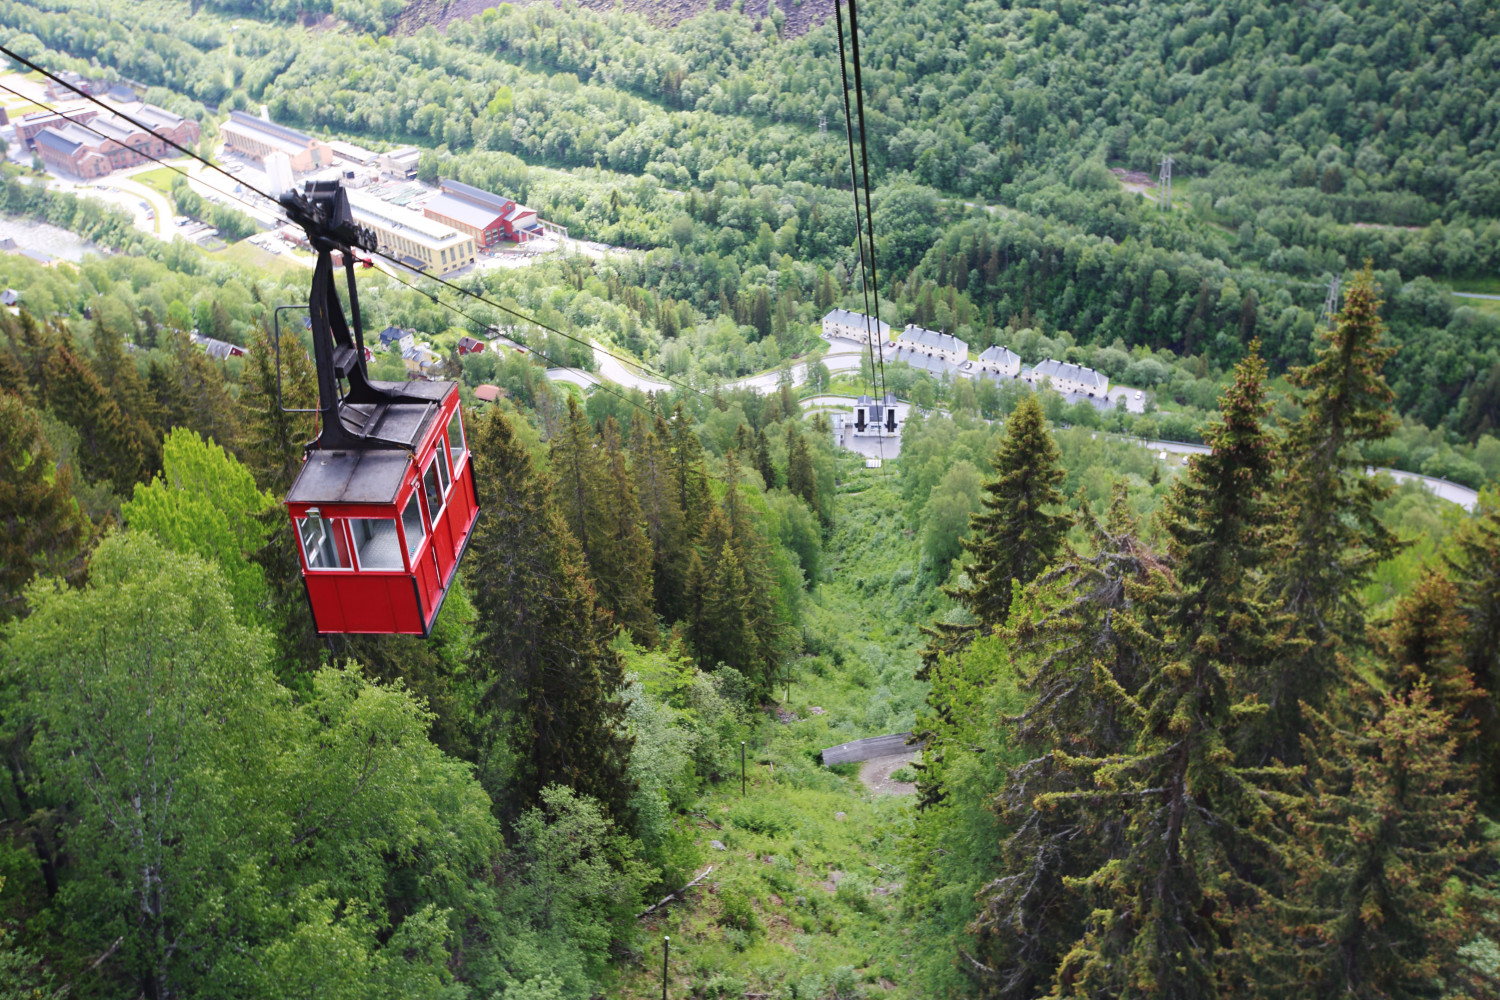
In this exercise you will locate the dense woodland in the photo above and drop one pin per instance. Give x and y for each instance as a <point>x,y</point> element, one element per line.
<point>1221,727</point>
<point>1306,142</point>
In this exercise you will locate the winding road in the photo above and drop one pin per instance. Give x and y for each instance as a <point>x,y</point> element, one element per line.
<point>842,360</point>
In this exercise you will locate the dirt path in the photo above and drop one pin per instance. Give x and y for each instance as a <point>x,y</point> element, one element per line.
<point>876,774</point>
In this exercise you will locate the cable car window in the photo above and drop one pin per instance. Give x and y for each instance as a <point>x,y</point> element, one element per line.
<point>376,543</point>
<point>434,490</point>
<point>456,439</point>
<point>322,542</point>
<point>411,521</point>
<point>443,470</point>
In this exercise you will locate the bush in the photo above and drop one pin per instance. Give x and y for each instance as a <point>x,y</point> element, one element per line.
<point>735,908</point>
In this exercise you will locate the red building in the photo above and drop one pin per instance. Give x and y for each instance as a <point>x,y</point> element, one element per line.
<point>469,345</point>
<point>28,127</point>
<point>488,218</point>
<point>96,145</point>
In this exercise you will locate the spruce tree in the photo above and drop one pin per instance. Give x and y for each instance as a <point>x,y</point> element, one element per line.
<point>622,573</point>
<point>548,683</point>
<point>1423,645</point>
<point>41,527</point>
<point>195,395</point>
<point>1474,567</point>
<point>272,438</point>
<point>119,375</point>
<point>1333,539</point>
<point>1015,536</point>
<point>1165,908</point>
<point>661,515</point>
<point>109,450</point>
<point>763,463</point>
<point>741,625</point>
<point>1074,657</point>
<point>801,480</point>
<point>689,472</point>
<point>596,497</point>
<point>1374,911</point>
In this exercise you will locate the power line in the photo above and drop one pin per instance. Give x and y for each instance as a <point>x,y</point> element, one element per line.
<point>207,163</point>
<point>154,159</point>
<point>859,239</point>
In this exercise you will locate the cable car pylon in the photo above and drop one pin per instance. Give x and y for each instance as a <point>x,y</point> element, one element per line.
<point>384,504</point>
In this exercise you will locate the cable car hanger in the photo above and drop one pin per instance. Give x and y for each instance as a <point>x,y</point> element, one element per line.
<point>322,210</point>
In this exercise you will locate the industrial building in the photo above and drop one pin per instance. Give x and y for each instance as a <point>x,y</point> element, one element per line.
<point>488,218</point>
<point>257,139</point>
<point>417,240</point>
<point>108,142</point>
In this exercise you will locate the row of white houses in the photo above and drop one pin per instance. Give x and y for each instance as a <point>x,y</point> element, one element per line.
<point>937,351</point>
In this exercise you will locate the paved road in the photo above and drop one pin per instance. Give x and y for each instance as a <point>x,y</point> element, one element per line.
<point>1442,488</point>
<point>1475,295</point>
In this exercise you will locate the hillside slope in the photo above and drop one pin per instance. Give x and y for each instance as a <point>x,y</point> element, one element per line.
<point>800,17</point>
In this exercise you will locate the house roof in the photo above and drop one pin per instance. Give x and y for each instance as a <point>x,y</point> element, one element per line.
<point>999,356</point>
<point>847,318</point>
<point>1070,372</point>
<point>409,223</point>
<point>287,140</point>
<point>924,361</point>
<point>488,393</point>
<point>469,342</point>
<point>457,189</point>
<point>463,211</point>
<point>933,340</point>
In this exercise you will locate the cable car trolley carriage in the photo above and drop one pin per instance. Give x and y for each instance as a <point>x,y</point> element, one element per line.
<point>384,505</point>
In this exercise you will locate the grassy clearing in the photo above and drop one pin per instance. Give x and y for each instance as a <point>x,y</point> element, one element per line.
<point>804,899</point>
<point>159,179</point>
<point>250,256</point>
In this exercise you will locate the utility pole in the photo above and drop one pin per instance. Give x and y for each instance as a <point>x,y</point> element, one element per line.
<point>1330,303</point>
<point>666,947</point>
<point>1164,184</point>
<point>742,768</point>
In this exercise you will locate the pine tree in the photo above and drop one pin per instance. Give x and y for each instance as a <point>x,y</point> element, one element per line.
<point>597,501</point>
<point>763,463</point>
<point>689,473</point>
<point>197,396</point>
<point>272,438</point>
<point>1333,539</point>
<point>119,375</point>
<point>549,708</point>
<point>1423,645</point>
<point>1017,534</point>
<point>1164,909</point>
<point>623,573</point>
<point>740,627</point>
<point>108,449</point>
<point>1075,658</point>
<point>801,480</point>
<point>1374,911</point>
<point>41,526</point>
<point>661,515</point>
<point>1474,567</point>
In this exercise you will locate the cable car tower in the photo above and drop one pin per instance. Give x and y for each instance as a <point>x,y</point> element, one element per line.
<point>384,505</point>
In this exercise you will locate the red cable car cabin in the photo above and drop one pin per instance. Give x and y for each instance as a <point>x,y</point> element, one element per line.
<point>380,532</point>
<point>384,504</point>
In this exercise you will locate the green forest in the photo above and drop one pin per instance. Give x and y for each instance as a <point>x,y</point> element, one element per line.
<point>1225,725</point>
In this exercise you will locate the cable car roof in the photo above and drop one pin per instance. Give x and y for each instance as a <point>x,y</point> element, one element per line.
<point>350,477</point>
<point>372,475</point>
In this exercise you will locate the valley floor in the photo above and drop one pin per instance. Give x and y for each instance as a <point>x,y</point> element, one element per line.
<point>804,896</point>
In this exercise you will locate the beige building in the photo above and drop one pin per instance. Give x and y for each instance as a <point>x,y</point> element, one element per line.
<point>943,346</point>
<point>1065,377</point>
<point>409,235</point>
<point>855,326</point>
<point>256,138</point>
<point>1000,361</point>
